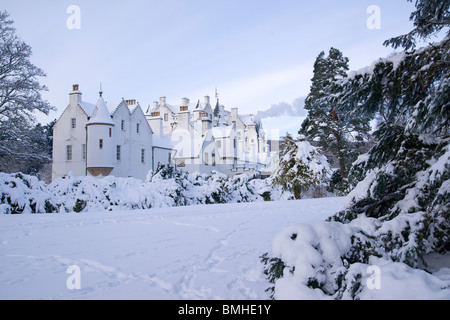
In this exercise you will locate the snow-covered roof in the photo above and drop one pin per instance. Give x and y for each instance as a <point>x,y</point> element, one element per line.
<point>248,119</point>
<point>164,141</point>
<point>222,132</point>
<point>198,106</point>
<point>221,115</point>
<point>112,106</point>
<point>87,107</point>
<point>101,114</point>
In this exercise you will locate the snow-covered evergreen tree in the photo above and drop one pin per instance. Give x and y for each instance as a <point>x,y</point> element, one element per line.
<point>301,167</point>
<point>405,176</point>
<point>399,211</point>
<point>429,18</point>
<point>331,124</point>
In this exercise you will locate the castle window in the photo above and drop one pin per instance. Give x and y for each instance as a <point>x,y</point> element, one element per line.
<point>110,132</point>
<point>143,155</point>
<point>118,153</point>
<point>122,125</point>
<point>166,117</point>
<point>203,115</point>
<point>234,143</point>
<point>206,159</point>
<point>100,144</point>
<point>83,148</point>
<point>219,144</point>
<point>73,123</point>
<point>213,160</point>
<point>184,108</point>
<point>155,114</point>
<point>137,128</point>
<point>69,153</point>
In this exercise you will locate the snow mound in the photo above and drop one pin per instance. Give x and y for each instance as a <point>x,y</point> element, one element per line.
<point>325,260</point>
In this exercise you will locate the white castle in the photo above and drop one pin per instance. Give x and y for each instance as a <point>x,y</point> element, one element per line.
<point>119,139</point>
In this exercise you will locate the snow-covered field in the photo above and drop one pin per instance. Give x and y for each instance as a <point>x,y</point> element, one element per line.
<point>194,252</point>
<point>200,252</point>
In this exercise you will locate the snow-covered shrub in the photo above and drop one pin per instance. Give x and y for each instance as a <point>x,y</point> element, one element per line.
<point>166,187</point>
<point>331,260</point>
<point>238,189</point>
<point>312,260</point>
<point>24,194</point>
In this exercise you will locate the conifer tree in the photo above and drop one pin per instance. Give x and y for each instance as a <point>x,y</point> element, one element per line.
<point>332,124</point>
<point>406,174</point>
<point>429,18</point>
<point>301,167</point>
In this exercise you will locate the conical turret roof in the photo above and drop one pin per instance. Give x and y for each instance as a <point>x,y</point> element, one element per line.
<point>101,113</point>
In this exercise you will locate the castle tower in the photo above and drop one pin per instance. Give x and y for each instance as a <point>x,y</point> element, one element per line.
<point>100,141</point>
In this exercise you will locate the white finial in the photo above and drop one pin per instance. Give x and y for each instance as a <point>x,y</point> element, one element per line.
<point>101,91</point>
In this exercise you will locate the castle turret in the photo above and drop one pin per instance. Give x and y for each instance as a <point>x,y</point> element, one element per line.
<point>100,141</point>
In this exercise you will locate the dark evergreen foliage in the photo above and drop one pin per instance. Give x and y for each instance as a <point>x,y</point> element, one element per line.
<point>332,124</point>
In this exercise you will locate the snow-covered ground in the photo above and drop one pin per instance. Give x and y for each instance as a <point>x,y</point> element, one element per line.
<point>193,252</point>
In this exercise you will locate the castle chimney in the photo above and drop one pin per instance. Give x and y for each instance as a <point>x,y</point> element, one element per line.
<point>162,101</point>
<point>206,126</point>
<point>75,95</point>
<point>184,116</point>
<point>234,114</point>
<point>207,100</point>
<point>184,104</point>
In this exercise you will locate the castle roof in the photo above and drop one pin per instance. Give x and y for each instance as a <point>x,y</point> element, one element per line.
<point>101,113</point>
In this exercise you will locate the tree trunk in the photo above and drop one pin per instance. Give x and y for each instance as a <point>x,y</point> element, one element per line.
<point>340,157</point>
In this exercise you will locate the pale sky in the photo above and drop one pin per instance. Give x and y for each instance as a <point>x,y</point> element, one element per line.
<point>258,53</point>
